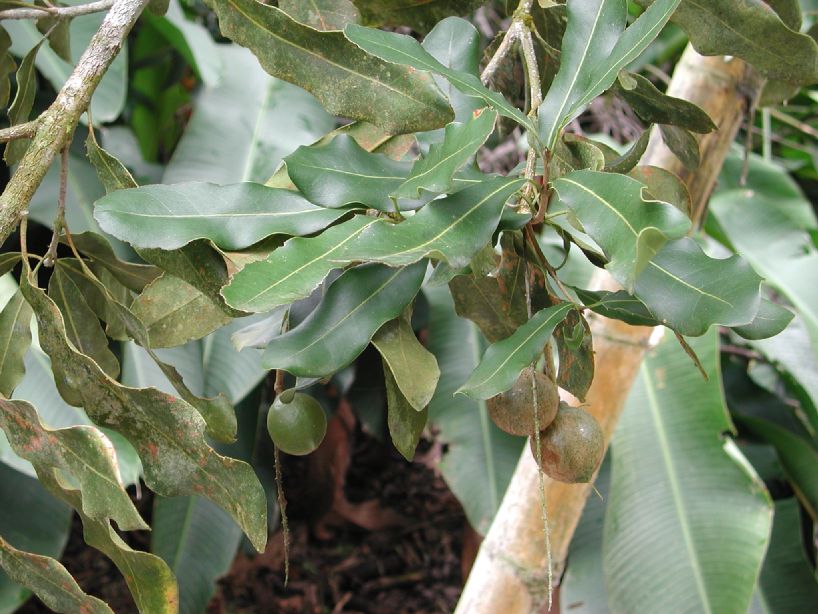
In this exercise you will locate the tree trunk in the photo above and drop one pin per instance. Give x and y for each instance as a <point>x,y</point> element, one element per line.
<point>510,573</point>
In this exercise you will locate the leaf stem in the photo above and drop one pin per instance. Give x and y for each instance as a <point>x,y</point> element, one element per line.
<point>59,219</point>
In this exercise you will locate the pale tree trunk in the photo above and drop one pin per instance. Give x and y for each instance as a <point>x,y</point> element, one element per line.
<point>510,573</point>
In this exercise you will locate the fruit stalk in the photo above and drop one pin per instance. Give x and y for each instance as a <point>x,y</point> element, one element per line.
<point>510,574</point>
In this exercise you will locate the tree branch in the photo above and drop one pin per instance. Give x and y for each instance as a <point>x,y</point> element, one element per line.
<point>57,12</point>
<point>55,127</point>
<point>20,131</point>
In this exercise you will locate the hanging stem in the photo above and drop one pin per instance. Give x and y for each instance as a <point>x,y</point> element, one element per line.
<point>59,219</point>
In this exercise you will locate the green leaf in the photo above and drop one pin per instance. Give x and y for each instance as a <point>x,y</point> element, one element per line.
<point>198,541</point>
<point>347,81</point>
<point>15,339</point>
<point>111,172</point>
<point>59,34</point>
<point>453,228</point>
<point>406,423</point>
<point>664,185</point>
<point>243,126</point>
<point>420,15</point>
<point>232,216</point>
<point>611,209</point>
<point>768,224</point>
<point>197,264</point>
<point>49,580</point>
<point>618,305</point>
<point>654,107</point>
<point>341,172</point>
<point>109,96</point>
<point>435,172</point>
<point>31,520</point>
<point>294,270</point>
<point>167,433</point>
<point>20,108</point>
<point>217,412</point>
<point>495,301</point>
<point>787,582</point>
<point>628,160</point>
<point>503,361</point>
<point>595,47</point>
<point>321,14</point>
<point>81,324</point>
<point>576,355</point>
<point>689,291</point>
<point>770,320</point>
<point>193,42</point>
<point>80,455</point>
<point>478,458</point>
<point>174,312</point>
<point>133,276</point>
<point>353,308</point>
<point>404,50</point>
<point>683,145</point>
<point>676,475</point>
<point>412,367</point>
<point>751,31</point>
<point>797,456</point>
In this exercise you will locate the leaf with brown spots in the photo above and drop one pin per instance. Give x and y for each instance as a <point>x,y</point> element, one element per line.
<point>167,432</point>
<point>49,580</point>
<point>576,353</point>
<point>80,454</point>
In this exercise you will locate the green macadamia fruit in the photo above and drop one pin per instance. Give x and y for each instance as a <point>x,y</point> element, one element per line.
<point>513,410</point>
<point>572,447</point>
<point>296,423</point>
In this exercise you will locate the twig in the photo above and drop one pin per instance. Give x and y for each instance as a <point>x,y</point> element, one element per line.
<point>513,34</point>
<point>59,219</point>
<point>55,127</point>
<point>20,131</point>
<point>57,12</point>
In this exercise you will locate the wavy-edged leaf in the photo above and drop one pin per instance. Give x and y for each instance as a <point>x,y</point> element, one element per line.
<point>50,581</point>
<point>242,126</point>
<point>232,216</point>
<point>111,172</point>
<point>81,324</point>
<point>612,210</point>
<point>752,31</point>
<point>259,334</point>
<point>322,14</point>
<point>663,185</point>
<point>503,361</point>
<point>403,50</point>
<point>595,47</point>
<point>787,582</point>
<point>628,160</point>
<point>133,276</point>
<point>15,339</point>
<point>167,432</point>
<point>618,305</point>
<point>676,475</point>
<point>418,14</point>
<point>353,308</point>
<point>31,519</point>
<point>341,172</point>
<point>294,270</point>
<point>413,368</point>
<point>689,292</point>
<point>347,81</point>
<point>479,458</point>
<point>198,541</point>
<point>575,349</point>
<point>21,106</point>
<point>174,312</point>
<point>683,145</point>
<point>435,172</point>
<point>217,411</point>
<point>655,107</point>
<point>406,423</point>
<point>453,228</point>
<point>770,320</point>
<point>79,455</point>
